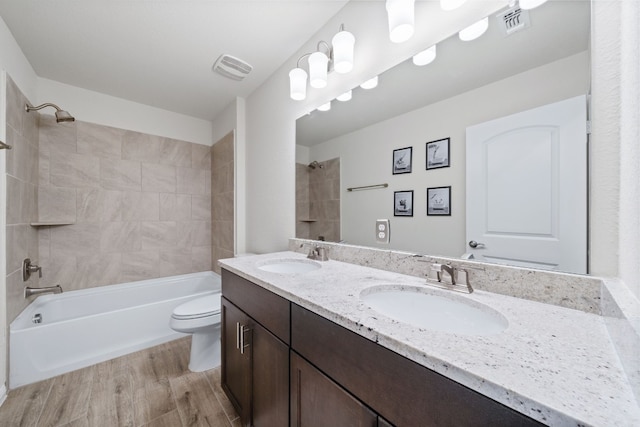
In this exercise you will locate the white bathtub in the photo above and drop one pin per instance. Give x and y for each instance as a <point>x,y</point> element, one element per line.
<point>81,328</point>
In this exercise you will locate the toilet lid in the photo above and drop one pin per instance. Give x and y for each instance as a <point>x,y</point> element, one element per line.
<point>199,307</point>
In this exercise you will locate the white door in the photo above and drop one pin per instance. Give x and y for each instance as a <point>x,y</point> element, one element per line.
<point>527,188</point>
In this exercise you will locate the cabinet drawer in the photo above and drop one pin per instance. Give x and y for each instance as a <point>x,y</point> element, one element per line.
<point>402,391</point>
<point>265,307</point>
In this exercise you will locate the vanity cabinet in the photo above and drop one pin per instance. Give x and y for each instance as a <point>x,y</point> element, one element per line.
<point>398,389</point>
<point>301,369</point>
<point>255,352</point>
<point>317,401</point>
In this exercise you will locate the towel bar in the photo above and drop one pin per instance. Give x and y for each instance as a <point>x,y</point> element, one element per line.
<point>368,187</point>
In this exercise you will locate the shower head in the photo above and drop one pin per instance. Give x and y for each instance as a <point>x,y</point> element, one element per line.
<point>314,165</point>
<point>61,115</point>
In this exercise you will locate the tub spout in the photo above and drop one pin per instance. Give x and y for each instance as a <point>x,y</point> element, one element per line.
<point>29,291</point>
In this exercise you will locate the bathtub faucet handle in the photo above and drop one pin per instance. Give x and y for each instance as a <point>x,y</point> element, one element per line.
<point>28,268</point>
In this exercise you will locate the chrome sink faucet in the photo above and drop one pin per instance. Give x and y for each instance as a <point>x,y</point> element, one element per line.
<point>439,269</point>
<point>449,277</point>
<point>318,253</point>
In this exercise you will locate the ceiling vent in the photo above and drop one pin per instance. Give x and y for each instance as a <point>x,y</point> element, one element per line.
<point>513,20</point>
<point>232,67</point>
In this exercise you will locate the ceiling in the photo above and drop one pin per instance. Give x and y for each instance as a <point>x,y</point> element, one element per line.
<point>557,29</point>
<point>161,52</point>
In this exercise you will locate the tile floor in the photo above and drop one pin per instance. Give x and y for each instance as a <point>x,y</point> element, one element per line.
<point>152,387</point>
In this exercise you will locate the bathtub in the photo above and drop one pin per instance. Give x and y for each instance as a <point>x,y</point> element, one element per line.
<point>81,328</point>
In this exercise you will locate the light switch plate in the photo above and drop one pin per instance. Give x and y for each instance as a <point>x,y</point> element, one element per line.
<point>382,230</point>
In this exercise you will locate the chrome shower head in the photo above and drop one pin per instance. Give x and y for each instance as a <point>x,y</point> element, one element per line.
<point>314,165</point>
<point>61,115</point>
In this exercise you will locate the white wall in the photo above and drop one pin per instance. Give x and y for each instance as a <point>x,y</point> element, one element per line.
<point>630,150</point>
<point>107,110</point>
<point>365,156</point>
<point>14,63</point>
<point>615,200</point>
<point>271,114</point>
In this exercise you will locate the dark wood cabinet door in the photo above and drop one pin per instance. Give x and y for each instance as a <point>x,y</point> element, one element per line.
<point>236,365</point>
<point>317,401</point>
<point>270,369</point>
<point>384,423</point>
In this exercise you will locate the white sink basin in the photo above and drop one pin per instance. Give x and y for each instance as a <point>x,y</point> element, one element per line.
<point>290,266</point>
<point>436,311</point>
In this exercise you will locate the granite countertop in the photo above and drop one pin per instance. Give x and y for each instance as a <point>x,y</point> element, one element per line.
<point>554,364</point>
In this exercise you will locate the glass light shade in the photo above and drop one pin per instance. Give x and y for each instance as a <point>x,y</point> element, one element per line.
<point>298,84</point>
<point>451,4</point>
<point>345,96</point>
<point>401,19</point>
<point>370,84</point>
<point>318,66</point>
<point>474,31</point>
<point>325,107</point>
<point>425,57</point>
<point>531,4</point>
<point>343,43</point>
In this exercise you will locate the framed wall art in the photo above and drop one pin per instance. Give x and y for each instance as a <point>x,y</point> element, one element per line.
<point>438,154</point>
<point>403,203</point>
<point>439,201</point>
<point>402,160</point>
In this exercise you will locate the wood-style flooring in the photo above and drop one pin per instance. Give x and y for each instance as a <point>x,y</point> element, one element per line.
<point>150,388</point>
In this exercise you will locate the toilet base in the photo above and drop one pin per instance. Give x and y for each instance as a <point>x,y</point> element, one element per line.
<point>205,350</point>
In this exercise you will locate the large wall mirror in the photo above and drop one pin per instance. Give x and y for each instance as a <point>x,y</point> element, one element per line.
<point>505,71</point>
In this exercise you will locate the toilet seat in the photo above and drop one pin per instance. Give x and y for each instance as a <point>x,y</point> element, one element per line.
<point>198,308</point>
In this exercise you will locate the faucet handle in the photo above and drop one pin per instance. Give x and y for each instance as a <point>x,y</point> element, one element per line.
<point>462,277</point>
<point>28,268</point>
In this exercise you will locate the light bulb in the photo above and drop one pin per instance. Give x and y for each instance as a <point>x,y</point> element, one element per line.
<point>370,84</point>
<point>318,70</point>
<point>451,4</point>
<point>425,57</point>
<point>298,84</point>
<point>343,43</point>
<point>401,19</point>
<point>325,107</point>
<point>531,4</point>
<point>345,96</point>
<point>474,31</point>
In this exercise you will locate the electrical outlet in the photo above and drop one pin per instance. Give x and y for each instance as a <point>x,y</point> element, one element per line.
<point>382,230</point>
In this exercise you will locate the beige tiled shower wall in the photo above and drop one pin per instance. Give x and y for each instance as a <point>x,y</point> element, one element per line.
<point>222,200</point>
<point>22,181</point>
<point>318,202</point>
<point>139,205</point>
<point>303,228</point>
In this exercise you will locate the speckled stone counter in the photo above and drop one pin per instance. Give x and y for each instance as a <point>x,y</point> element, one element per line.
<point>554,364</point>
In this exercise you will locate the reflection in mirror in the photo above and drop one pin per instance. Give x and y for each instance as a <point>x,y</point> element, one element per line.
<point>505,71</point>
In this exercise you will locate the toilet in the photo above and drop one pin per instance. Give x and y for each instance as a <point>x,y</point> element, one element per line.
<point>201,318</point>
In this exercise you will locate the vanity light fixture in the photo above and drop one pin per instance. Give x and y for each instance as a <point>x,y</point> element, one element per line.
<point>531,4</point>
<point>318,69</point>
<point>343,43</point>
<point>298,84</point>
<point>425,57</point>
<point>451,4</point>
<point>325,107</point>
<point>370,84</point>
<point>338,57</point>
<point>401,15</point>
<point>474,31</point>
<point>345,96</point>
